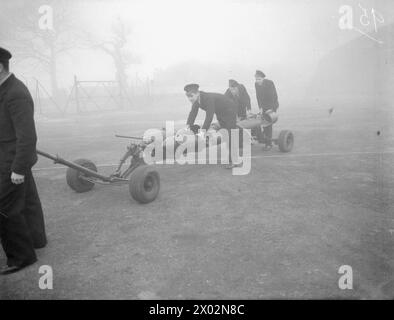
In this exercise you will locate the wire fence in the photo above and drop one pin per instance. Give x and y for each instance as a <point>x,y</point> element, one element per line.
<point>87,96</point>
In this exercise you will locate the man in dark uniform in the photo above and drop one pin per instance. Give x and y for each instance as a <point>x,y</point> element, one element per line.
<point>213,104</point>
<point>237,92</point>
<point>267,99</point>
<point>21,219</point>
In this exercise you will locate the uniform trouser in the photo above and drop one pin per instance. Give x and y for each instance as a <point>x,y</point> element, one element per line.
<point>21,220</point>
<point>230,127</point>
<point>258,133</point>
<point>268,135</point>
<point>242,112</point>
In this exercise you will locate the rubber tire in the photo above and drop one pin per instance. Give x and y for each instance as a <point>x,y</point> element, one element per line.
<point>285,141</point>
<point>137,187</point>
<point>73,176</point>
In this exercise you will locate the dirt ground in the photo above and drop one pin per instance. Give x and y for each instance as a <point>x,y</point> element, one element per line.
<point>282,231</point>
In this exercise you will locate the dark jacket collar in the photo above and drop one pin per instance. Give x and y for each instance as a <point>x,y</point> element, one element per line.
<point>6,83</point>
<point>202,97</point>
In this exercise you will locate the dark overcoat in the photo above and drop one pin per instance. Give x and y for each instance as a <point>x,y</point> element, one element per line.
<point>17,130</point>
<point>21,218</point>
<point>242,100</point>
<point>215,104</point>
<point>267,97</point>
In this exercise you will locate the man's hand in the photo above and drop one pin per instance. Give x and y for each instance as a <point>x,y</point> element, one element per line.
<point>201,134</point>
<point>17,178</point>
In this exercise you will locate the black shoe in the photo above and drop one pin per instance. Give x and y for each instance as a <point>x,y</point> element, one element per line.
<point>12,269</point>
<point>267,147</point>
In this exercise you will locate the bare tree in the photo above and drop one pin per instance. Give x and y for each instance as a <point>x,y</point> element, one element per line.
<point>116,47</point>
<point>20,31</point>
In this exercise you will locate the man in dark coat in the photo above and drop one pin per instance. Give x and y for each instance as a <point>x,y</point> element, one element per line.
<point>267,99</point>
<point>21,218</point>
<point>237,92</point>
<point>213,104</point>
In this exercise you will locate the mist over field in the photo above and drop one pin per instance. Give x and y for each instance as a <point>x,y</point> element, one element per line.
<point>154,47</point>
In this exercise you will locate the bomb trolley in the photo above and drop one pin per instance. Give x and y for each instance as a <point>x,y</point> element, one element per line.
<point>285,140</point>
<point>143,180</point>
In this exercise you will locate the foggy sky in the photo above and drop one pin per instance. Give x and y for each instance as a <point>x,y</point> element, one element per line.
<point>286,39</point>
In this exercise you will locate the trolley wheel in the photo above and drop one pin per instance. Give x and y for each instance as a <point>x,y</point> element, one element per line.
<point>73,176</point>
<point>144,184</point>
<point>285,141</point>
